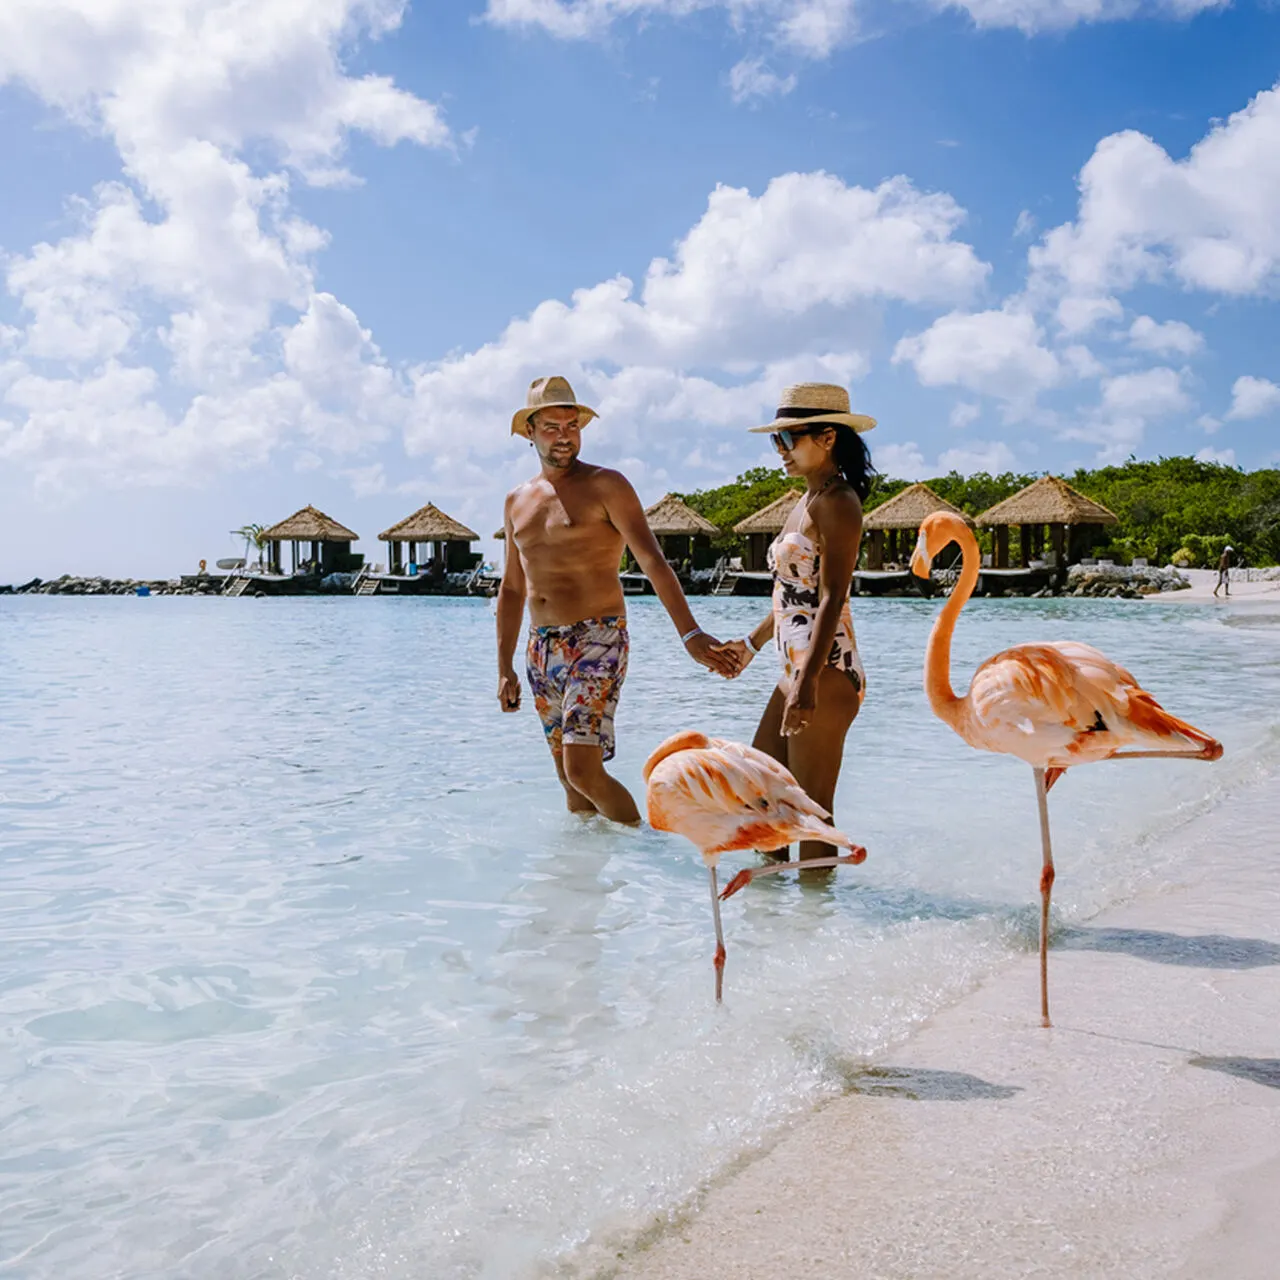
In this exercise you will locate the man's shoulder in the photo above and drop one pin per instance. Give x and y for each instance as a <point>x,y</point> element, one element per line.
<point>605,479</point>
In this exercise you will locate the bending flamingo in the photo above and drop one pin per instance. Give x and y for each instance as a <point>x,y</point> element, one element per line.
<point>1054,705</point>
<point>724,796</point>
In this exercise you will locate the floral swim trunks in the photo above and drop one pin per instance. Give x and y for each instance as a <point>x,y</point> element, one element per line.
<point>576,673</point>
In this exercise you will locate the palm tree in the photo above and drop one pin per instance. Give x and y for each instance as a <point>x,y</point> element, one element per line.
<point>252,535</point>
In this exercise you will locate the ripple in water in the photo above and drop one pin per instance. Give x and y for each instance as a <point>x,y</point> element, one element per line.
<point>306,971</point>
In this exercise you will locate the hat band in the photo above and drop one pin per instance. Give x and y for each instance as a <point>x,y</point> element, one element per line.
<point>808,413</point>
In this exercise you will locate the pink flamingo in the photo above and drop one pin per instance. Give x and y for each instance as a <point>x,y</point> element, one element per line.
<point>1054,705</point>
<point>723,796</point>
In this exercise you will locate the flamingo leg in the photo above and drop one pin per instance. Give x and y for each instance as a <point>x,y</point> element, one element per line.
<point>720,952</point>
<point>1046,888</point>
<point>748,874</point>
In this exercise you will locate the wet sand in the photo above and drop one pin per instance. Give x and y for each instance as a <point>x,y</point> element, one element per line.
<point>1139,1137</point>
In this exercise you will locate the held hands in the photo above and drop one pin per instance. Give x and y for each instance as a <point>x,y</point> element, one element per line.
<point>712,654</point>
<point>738,651</point>
<point>509,691</point>
<point>802,702</point>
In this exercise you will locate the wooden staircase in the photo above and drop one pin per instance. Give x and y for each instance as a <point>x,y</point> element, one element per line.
<point>367,587</point>
<point>236,587</point>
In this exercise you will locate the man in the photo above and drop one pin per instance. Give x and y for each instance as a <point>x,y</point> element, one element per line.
<point>1224,572</point>
<point>565,531</point>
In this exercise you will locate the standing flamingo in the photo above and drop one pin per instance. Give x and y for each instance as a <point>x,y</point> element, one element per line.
<point>1054,705</point>
<point>723,796</point>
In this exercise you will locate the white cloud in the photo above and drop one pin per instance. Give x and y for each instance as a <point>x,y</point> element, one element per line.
<point>1079,315</point>
<point>751,78</point>
<point>1209,424</point>
<point>1253,398</point>
<point>997,353</point>
<point>1170,338</point>
<point>1129,402</point>
<point>901,461</point>
<point>817,27</point>
<point>1025,225</point>
<point>178,327</point>
<point>1151,393</point>
<point>813,28</point>
<point>1034,16</point>
<point>1225,457</point>
<point>1206,222</point>
<point>993,456</point>
<point>963,413</point>
<point>750,297</point>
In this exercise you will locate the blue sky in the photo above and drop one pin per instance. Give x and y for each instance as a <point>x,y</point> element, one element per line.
<point>288,251</point>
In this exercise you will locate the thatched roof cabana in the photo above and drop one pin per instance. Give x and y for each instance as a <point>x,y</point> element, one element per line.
<point>309,525</point>
<point>772,518</point>
<point>1072,519</point>
<point>673,516</point>
<point>1048,501</point>
<point>683,534</point>
<point>892,525</point>
<point>760,527</point>
<point>908,509</point>
<point>450,541</point>
<point>330,543</point>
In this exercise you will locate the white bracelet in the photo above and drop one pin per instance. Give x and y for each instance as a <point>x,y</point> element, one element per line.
<point>688,635</point>
<point>755,653</point>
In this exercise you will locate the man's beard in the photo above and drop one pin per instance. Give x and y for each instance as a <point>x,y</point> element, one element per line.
<point>560,458</point>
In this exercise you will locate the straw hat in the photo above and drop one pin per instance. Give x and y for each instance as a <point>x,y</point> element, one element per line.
<point>549,393</point>
<point>813,402</point>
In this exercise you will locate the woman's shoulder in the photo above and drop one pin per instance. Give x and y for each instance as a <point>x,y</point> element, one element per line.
<point>838,501</point>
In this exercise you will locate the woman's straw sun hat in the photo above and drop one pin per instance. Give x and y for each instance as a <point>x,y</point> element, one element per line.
<point>809,403</point>
<point>549,393</point>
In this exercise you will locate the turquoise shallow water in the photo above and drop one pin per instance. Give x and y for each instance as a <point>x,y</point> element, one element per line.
<point>306,972</point>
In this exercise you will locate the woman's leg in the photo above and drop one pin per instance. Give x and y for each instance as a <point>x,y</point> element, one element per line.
<point>815,756</point>
<point>769,739</point>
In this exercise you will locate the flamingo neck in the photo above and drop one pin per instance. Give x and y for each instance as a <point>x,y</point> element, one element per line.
<point>937,658</point>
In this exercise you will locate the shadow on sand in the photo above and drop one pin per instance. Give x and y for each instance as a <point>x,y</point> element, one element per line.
<point>923,1084</point>
<point>1202,951</point>
<point>1260,1070</point>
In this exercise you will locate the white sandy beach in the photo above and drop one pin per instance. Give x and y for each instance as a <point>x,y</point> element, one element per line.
<point>1140,1137</point>
<point>1202,584</point>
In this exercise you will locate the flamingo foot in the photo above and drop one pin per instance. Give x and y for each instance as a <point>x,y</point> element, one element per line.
<point>748,874</point>
<point>719,964</point>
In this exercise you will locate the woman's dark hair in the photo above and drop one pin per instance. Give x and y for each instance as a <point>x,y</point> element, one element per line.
<point>853,460</point>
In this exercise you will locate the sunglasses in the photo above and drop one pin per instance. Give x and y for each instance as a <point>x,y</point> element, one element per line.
<point>786,438</point>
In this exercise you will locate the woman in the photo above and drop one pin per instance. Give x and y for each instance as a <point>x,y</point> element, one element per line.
<point>822,682</point>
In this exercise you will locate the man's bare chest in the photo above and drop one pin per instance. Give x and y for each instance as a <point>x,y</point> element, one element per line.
<point>552,521</point>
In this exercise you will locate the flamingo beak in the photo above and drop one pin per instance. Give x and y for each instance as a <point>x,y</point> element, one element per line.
<point>921,560</point>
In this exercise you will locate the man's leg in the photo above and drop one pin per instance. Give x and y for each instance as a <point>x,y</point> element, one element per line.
<point>574,799</point>
<point>584,771</point>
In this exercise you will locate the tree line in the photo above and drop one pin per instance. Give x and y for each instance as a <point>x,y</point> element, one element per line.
<point>1171,509</point>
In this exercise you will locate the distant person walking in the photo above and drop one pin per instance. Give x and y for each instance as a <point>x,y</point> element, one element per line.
<point>1224,572</point>
<point>565,532</point>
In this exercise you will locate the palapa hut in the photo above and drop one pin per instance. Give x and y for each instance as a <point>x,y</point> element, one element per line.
<point>761,528</point>
<point>681,532</point>
<point>892,526</point>
<point>1072,519</point>
<point>450,543</point>
<point>330,543</point>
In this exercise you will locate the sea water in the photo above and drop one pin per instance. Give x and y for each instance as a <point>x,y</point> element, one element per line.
<point>305,971</point>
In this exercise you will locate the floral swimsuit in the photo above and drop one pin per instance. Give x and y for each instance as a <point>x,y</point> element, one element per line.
<point>793,560</point>
<point>576,673</point>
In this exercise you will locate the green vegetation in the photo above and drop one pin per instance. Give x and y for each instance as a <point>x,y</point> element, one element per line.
<point>1170,509</point>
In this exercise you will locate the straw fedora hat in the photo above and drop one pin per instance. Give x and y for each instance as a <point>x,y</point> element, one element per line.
<point>808,403</point>
<point>549,393</point>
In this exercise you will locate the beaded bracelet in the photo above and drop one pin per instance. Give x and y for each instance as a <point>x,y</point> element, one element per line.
<point>688,635</point>
<point>755,653</point>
